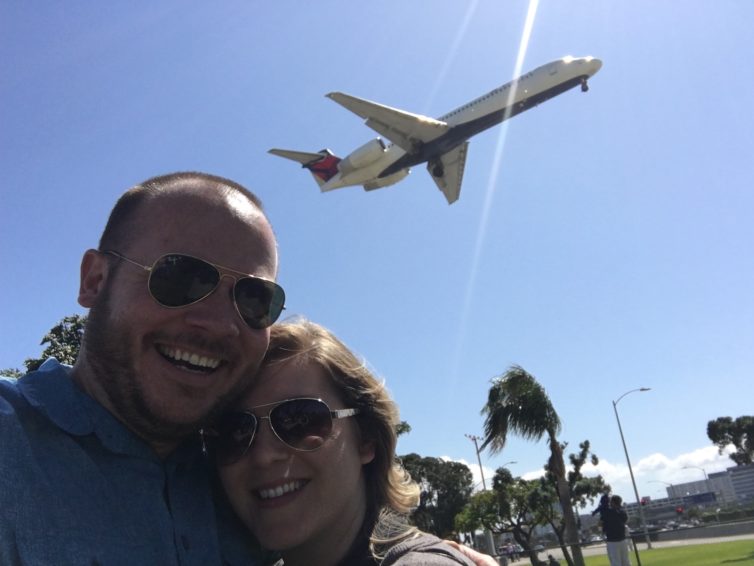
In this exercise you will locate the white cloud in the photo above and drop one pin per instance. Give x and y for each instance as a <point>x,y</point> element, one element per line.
<point>656,469</point>
<point>489,473</point>
<point>650,471</point>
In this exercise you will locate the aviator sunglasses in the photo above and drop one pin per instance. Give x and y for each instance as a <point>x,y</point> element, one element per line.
<point>179,280</point>
<point>302,424</point>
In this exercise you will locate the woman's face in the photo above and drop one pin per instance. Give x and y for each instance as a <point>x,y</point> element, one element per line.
<point>288,498</point>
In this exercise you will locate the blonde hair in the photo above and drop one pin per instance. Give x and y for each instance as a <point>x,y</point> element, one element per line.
<point>391,494</point>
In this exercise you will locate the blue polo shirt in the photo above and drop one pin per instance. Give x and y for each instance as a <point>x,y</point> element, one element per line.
<point>77,487</point>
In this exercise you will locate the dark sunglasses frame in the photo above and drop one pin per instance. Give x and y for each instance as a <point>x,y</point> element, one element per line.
<point>226,460</point>
<point>276,293</point>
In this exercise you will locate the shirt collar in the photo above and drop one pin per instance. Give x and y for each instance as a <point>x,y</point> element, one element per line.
<point>51,391</point>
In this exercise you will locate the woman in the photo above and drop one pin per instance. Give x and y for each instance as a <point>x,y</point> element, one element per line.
<point>318,481</point>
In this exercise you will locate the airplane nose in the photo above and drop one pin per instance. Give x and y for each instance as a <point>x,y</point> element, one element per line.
<point>594,65</point>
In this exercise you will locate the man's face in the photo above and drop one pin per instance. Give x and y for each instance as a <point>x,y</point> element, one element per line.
<point>139,354</point>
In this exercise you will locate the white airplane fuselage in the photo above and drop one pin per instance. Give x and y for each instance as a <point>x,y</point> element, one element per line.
<point>506,101</point>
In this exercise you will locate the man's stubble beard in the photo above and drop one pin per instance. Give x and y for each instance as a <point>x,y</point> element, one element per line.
<point>110,348</point>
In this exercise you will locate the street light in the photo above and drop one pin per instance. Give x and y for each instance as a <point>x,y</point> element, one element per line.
<point>628,460</point>
<point>706,477</point>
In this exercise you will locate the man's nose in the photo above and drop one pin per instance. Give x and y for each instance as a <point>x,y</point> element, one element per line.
<point>217,312</point>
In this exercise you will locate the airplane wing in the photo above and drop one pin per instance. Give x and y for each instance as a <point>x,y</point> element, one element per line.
<point>450,166</point>
<point>404,129</point>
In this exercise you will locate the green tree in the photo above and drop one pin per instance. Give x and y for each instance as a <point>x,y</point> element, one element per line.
<point>517,403</point>
<point>11,372</point>
<point>481,512</point>
<point>402,428</point>
<point>584,490</point>
<point>445,489</point>
<point>511,507</point>
<point>724,431</point>
<point>63,343</point>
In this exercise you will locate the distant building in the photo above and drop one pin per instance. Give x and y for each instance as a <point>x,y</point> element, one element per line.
<point>742,478</point>
<point>734,485</point>
<point>722,485</point>
<point>731,487</point>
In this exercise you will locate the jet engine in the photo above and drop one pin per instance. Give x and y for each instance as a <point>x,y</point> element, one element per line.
<point>363,156</point>
<point>386,181</point>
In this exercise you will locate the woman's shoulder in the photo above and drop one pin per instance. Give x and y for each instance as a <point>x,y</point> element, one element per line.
<point>424,549</point>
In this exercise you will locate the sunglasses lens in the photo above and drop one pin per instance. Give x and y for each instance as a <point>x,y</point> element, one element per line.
<point>303,424</point>
<point>235,431</point>
<point>259,301</point>
<point>179,280</point>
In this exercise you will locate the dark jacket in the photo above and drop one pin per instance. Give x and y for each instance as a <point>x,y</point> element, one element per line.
<point>614,524</point>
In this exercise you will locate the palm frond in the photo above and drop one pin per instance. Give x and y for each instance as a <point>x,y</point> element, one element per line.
<point>517,403</point>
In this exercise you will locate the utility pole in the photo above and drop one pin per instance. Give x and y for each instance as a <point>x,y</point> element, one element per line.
<point>488,533</point>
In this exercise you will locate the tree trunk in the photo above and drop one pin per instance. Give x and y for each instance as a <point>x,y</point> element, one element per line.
<point>557,465</point>
<point>561,542</point>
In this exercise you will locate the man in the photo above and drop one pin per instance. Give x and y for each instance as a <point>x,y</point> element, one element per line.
<point>101,463</point>
<point>614,519</point>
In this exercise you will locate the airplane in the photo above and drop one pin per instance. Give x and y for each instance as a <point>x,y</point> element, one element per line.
<point>441,143</point>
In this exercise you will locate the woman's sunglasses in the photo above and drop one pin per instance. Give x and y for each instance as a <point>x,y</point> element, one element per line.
<point>179,280</point>
<point>302,424</point>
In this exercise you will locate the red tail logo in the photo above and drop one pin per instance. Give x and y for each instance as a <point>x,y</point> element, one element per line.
<point>325,168</point>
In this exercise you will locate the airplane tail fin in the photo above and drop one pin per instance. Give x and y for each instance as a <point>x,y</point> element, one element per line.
<point>322,165</point>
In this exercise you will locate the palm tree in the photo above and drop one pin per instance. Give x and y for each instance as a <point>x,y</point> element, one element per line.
<point>517,403</point>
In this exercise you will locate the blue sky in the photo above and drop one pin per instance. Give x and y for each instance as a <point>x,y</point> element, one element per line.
<point>602,241</point>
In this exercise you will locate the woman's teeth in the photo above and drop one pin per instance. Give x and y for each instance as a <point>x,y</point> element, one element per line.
<point>280,490</point>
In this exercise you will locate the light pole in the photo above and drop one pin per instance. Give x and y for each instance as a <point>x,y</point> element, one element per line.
<point>628,460</point>
<point>488,533</point>
<point>706,477</point>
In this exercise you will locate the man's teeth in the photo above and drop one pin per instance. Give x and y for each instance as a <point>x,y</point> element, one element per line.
<point>280,490</point>
<point>190,358</point>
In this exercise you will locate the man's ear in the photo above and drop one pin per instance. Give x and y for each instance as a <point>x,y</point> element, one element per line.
<point>94,270</point>
<point>367,451</point>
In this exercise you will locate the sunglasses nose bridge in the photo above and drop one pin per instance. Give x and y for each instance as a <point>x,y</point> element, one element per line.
<point>231,290</point>
<point>274,447</point>
<point>225,290</point>
<point>223,275</point>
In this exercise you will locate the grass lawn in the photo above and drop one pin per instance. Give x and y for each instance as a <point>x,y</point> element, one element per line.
<point>735,553</point>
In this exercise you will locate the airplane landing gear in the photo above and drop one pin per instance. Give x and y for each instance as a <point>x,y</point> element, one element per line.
<point>584,85</point>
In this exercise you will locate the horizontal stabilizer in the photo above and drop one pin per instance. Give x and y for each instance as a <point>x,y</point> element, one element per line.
<point>447,171</point>
<point>323,165</point>
<point>302,157</point>
<point>404,129</point>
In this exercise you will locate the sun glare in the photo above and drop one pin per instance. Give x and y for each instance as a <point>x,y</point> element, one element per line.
<point>491,184</point>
